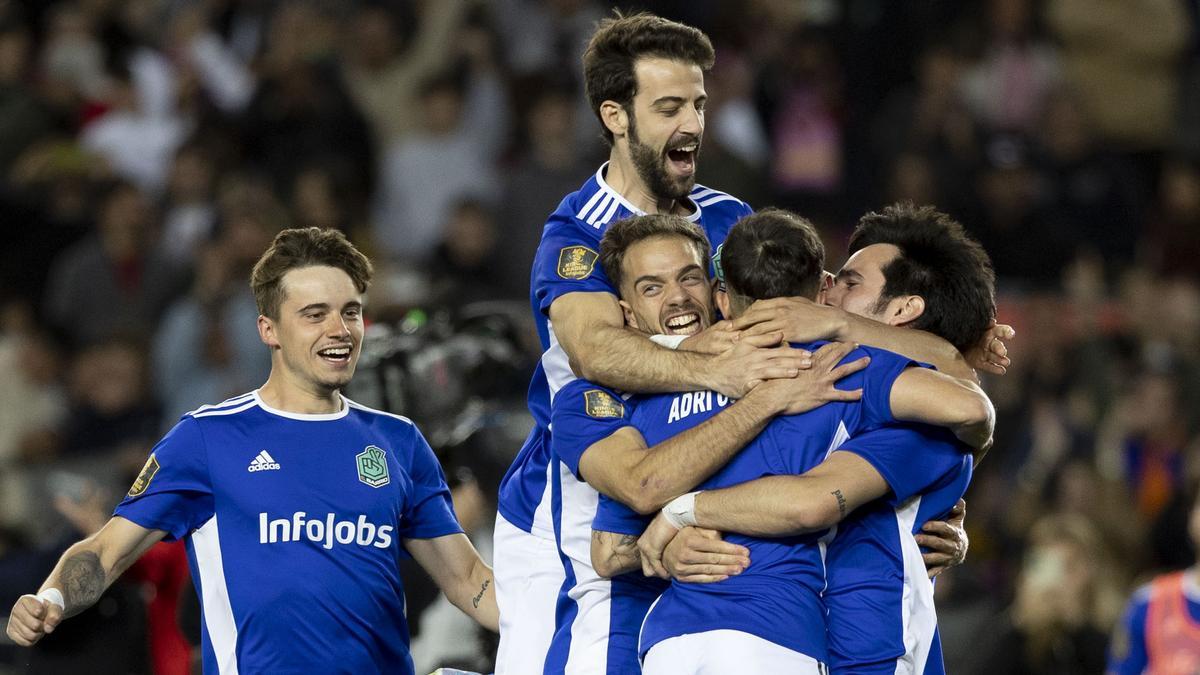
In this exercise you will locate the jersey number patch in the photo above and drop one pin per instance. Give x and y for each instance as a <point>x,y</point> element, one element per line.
<point>576,262</point>
<point>144,478</point>
<point>372,467</point>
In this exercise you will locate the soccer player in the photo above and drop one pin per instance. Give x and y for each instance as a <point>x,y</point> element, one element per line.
<point>295,502</point>
<point>770,616</point>
<point>644,77</point>
<point>910,267</point>
<point>1160,630</point>
<point>660,264</point>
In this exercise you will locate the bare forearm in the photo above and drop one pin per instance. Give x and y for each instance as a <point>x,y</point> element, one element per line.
<point>773,506</point>
<point>81,576</point>
<point>614,554</point>
<point>477,597</point>
<point>678,464</point>
<point>621,358</point>
<point>915,344</point>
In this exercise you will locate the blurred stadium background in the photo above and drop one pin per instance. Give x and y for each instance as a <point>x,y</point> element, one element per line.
<point>150,149</point>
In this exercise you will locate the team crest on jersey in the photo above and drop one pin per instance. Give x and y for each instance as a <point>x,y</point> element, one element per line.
<point>372,466</point>
<point>144,478</point>
<point>576,262</point>
<point>602,404</point>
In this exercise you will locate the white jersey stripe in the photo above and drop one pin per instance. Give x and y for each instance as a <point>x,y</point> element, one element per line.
<point>236,400</point>
<point>591,593</point>
<point>608,199</point>
<point>918,614</point>
<point>359,406</point>
<point>218,612</point>
<point>608,214</point>
<point>700,193</point>
<point>590,203</point>
<point>720,198</point>
<point>231,411</point>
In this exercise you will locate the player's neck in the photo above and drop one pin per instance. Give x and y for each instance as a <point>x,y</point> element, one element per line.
<point>282,394</point>
<point>623,177</point>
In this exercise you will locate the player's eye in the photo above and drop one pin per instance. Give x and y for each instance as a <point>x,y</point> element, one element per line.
<point>651,289</point>
<point>314,316</point>
<point>692,279</point>
<point>351,313</point>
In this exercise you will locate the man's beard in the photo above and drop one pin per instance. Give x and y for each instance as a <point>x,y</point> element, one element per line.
<point>651,168</point>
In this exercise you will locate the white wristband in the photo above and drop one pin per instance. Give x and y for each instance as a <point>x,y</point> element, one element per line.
<point>54,596</point>
<point>669,341</point>
<point>681,511</point>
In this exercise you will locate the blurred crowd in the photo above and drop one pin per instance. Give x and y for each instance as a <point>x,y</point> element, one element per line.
<point>150,150</point>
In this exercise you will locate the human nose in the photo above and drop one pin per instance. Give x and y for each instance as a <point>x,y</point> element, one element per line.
<point>338,326</point>
<point>692,123</point>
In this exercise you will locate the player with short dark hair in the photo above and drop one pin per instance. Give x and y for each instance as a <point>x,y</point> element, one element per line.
<point>771,615</point>
<point>880,607</point>
<point>294,501</point>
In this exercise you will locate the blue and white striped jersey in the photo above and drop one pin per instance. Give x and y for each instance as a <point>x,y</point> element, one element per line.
<point>777,598</point>
<point>567,261</point>
<point>878,594</point>
<point>293,525</point>
<point>598,619</point>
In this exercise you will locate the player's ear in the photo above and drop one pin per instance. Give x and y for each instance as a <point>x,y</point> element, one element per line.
<point>907,309</point>
<point>630,318</point>
<point>721,297</point>
<point>266,332</point>
<point>614,117</point>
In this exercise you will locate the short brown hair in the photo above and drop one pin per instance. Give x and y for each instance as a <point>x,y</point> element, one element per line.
<point>772,254</point>
<point>625,233</point>
<point>304,247</point>
<point>620,41</point>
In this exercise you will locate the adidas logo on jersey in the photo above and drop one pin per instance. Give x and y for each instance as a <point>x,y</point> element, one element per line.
<point>264,462</point>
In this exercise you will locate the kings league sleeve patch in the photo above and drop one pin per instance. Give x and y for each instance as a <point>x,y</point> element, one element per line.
<point>144,478</point>
<point>576,262</point>
<point>602,404</point>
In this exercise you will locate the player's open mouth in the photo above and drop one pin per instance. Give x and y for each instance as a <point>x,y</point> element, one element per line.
<point>683,324</point>
<point>683,158</point>
<point>339,354</point>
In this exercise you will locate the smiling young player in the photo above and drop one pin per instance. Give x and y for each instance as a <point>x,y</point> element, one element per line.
<point>295,502</point>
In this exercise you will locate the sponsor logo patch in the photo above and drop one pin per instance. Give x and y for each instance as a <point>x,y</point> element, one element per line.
<point>144,478</point>
<point>372,466</point>
<point>602,404</point>
<point>576,262</point>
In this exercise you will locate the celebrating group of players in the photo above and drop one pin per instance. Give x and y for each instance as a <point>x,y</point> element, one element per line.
<point>749,494</point>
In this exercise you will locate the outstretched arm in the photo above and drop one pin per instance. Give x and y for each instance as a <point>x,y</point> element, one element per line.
<point>82,574</point>
<point>462,575</point>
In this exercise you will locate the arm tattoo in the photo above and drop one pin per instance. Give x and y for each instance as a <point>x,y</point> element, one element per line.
<point>621,549</point>
<point>82,580</point>
<point>479,596</point>
<point>841,502</point>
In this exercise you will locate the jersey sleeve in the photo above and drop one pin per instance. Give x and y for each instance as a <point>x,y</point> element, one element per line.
<point>877,382</point>
<point>567,261</point>
<point>911,458</point>
<point>613,516</point>
<point>582,414</point>
<point>1127,651</point>
<point>429,511</point>
<point>173,492</point>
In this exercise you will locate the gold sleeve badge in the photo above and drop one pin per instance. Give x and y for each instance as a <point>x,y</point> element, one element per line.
<point>576,262</point>
<point>602,404</point>
<point>144,478</point>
